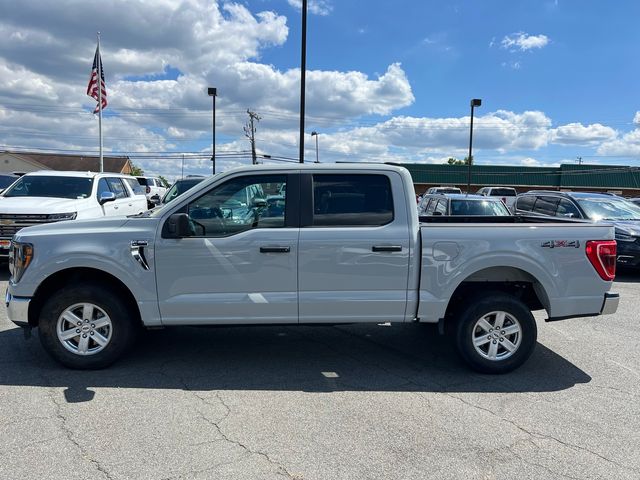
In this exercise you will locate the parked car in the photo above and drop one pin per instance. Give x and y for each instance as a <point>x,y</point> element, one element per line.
<point>595,207</point>
<point>53,196</point>
<point>348,248</point>
<point>461,204</point>
<point>154,189</point>
<point>449,189</point>
<point>506,194</point>
<point>181,186</point>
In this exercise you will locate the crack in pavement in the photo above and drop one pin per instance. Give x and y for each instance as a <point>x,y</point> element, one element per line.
<point>539,435</point>
<point>281,469</point>
<point>69,435</point>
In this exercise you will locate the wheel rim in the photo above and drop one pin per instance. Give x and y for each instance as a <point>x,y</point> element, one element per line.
<point>84,329</point>
<point>497,335</point>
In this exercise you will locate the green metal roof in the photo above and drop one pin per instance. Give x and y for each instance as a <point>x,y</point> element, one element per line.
<point>564,176</point>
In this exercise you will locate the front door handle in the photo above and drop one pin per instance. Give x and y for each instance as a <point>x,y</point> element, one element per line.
<point>386,248</point>
<point>275,249</point>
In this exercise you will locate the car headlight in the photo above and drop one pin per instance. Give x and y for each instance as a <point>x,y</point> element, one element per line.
<point>622,236</point>
<point>58,217</point>
<point>20,256</point>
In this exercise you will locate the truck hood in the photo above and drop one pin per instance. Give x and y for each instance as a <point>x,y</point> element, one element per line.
<point>38,205</point>
<point>74,227</point>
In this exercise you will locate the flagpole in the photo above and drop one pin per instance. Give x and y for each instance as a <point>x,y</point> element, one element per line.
<point>100,103</point>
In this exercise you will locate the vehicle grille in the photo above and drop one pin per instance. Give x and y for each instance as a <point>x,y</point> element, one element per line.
<point>11,223</point>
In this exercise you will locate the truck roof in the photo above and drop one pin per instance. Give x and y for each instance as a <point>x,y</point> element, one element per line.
<point>70,173</point>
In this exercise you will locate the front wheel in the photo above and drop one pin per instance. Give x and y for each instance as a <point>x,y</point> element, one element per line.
<point>496,333</point>
<point>85,327</point>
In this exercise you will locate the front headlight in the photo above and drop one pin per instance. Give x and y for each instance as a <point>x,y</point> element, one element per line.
<point>20,256</point>
<point>58,217</point>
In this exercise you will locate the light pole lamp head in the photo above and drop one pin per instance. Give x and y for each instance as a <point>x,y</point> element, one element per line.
<point>476,102</point>
<point>314,134</point>
<point>212,91</point>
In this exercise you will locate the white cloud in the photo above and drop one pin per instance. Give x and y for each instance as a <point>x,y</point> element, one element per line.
<point>636,118</point>
<point>578,134</point>
<point>317,7</point>
<point>523,41</point>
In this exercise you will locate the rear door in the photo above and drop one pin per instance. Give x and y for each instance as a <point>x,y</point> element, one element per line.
<point>354,248</point>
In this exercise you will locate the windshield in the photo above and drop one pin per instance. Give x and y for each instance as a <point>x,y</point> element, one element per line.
<point>51,186</point>
<point>609,209</point>
<point>475,207</point>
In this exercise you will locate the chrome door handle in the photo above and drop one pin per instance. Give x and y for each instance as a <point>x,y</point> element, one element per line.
<point>386,248</point>
<point>275,249</point>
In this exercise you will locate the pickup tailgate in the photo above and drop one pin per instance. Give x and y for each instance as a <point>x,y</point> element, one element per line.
<point>550,255</point>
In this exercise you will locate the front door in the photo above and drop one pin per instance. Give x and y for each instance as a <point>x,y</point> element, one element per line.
<point>239,265</point>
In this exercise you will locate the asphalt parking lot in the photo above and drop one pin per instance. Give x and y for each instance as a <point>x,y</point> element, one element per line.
<point>347,402</point>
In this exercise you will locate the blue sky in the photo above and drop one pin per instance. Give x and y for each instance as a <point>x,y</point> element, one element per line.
<point>387,81</point>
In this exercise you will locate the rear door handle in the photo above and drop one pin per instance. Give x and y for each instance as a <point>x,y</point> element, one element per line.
<point>275,249</point>
<point>386,248</point>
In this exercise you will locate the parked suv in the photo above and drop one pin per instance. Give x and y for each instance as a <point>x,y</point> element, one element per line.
<point>48,196</point>
<point>461,204</point>
<point>506,194</point>
<point>596,207</point>
<point>154,189</point>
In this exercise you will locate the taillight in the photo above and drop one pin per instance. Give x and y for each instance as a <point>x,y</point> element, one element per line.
<point>602,255</point>
<point>148,189</point>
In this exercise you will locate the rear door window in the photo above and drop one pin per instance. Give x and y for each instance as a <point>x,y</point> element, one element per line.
<point>546,205</point>
<point>355,200</point>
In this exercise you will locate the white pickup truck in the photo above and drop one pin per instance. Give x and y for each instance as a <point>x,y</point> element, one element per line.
<point>345,247</point>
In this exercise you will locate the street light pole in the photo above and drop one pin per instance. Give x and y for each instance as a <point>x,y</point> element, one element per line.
<point>303,70</point>
<point>315,134</point>
<point>475,102</point>
<point>212,93</point>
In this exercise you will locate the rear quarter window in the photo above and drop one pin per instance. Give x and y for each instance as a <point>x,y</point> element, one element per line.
<point>525,203</point>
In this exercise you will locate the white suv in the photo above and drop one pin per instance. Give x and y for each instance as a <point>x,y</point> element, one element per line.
<point>154,189</point>
<point>51,196</point>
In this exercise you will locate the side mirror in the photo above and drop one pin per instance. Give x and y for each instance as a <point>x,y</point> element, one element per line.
<point>106,197</point>
<point>177,226</point>
<point>155,199</point>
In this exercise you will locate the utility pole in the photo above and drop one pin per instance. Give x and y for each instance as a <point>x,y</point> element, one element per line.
<point>579,160</point>
<point>250,133</point>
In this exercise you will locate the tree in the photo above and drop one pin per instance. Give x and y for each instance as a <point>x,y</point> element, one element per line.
<point>136,171</point>
<point>164,181</point>
<point>455,161</point>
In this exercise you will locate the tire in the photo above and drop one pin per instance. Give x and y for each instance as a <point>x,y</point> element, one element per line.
<point>106,330</point>
<point>490,350</point>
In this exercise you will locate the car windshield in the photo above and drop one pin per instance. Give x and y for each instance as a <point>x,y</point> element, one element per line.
<point>609,209</point>
<point>51,186</point>
<point>478,207</point>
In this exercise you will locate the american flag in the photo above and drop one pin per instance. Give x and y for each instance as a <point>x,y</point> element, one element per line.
<point>92,89</point>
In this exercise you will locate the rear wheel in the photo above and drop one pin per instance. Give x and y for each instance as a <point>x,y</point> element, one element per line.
<point>86,327</point>
<point>496,333</point>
